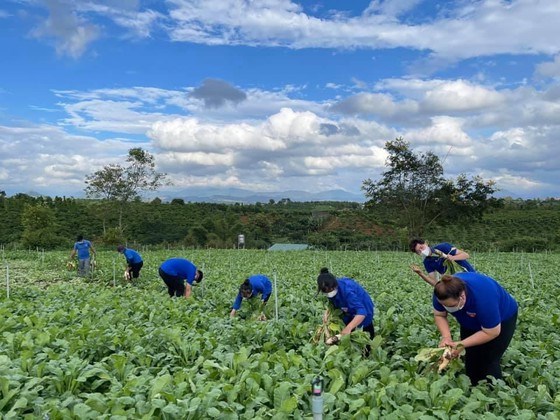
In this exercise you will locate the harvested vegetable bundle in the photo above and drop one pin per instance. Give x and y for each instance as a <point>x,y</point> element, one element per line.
<point>326,330</point>
<point>437,358</point>
<point>70,265</point>
<point>451,267</point>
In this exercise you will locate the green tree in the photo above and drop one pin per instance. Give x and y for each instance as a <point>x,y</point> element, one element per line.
<point>414,190</point>
<point>39,227</point>
<point>119,185</point>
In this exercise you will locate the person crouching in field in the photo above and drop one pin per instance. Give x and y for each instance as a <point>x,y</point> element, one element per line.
<point>440,259</point>
<point>487,314</point>
<point>179,275</point>
<point>134,262</point>
<point>250,288</point>
<point>346,294</point>
<point>82,247</point>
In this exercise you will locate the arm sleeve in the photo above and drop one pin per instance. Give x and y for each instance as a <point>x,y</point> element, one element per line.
<point>237,303</point>
<point>444,247</point>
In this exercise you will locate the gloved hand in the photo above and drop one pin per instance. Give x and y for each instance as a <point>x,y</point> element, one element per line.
<point>333,340</point>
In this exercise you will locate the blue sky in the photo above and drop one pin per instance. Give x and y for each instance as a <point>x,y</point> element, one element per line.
<point>278,95</point>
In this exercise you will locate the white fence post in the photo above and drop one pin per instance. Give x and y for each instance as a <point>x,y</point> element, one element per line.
<point>275,297</point>
<point>7,282</point>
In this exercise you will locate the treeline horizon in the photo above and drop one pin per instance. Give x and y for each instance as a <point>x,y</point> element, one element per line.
<point>54,223</point>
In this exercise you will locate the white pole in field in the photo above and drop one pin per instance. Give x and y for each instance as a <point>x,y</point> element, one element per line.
<point>531,275</point>
<point>114,273</point>
<point>275,297</point>
<point>7,282</point>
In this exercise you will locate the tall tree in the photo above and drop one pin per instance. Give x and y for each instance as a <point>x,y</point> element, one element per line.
<point>121,184</point>
<point>415,191</point>
<point>39,227</point>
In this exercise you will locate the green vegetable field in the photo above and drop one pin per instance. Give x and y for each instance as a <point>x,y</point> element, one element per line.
<point>100,348</point>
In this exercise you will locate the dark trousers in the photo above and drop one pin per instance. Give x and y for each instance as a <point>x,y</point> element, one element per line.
<point>369,329</point>
<point>175,285</point>
<point>134,269</point>
<point>484,360</point>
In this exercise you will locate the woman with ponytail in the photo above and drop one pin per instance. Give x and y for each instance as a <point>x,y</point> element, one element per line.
<point>347,295</point>
<point>251,287</point>
<point>487,315</point>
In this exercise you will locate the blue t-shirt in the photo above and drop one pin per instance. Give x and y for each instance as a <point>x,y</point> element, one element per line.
<point>435,263</point>
<point>132,257</point>
<point>83,248</point>
<point>488,303</point>
<point>353,300</point>
<point>260,284</point>
<point>179,267</point>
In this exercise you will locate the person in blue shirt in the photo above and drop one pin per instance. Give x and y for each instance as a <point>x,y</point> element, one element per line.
<point>82,247</point>
<point>347,295</point>
<point>435,258</point>
<point>134,262</point>
<point>253,286</point>
<point>179,274</point>
<point>487,315</point>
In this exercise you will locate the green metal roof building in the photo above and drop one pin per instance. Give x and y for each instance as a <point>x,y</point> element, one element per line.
<point>288,247</point>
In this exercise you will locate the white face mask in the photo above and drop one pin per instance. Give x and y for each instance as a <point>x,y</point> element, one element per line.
<point>426,252</point>
<point>332,294</point>
<point>452,309</point>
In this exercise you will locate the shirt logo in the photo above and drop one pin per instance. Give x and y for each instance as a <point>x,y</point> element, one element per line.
<point>471,314</point>
<point>344,309</point>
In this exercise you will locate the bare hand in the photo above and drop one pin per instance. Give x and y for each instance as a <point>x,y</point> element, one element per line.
<point>446,342</point>
<point>453,349</point>
<point>333,340</point>
<point>416,269</point>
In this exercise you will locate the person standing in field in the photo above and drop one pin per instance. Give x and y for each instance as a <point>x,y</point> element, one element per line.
<point>250,288</point>
<point>179,274</point>
<point>347,295</point>
<point>134,262</point>
<point>487,314</point>
<point>83,247</point>
<point>440,259</point>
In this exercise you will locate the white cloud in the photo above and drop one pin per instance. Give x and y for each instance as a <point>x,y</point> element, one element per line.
<point>475,128</point>
<point>32,158</point>
<point>550,68</point>
<point>459,95</point>
<point>289,143</point>
<point>445,131</point>
<point>71,33</point>
<point>466,31</point>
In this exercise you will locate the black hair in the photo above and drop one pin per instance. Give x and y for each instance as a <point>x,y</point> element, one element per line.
<point>324,270</point>
<point>80,238</point>
<point>200,275</point>
<point>449,287</point>
<point>245,288</point>
<point>414,242</point>
<point>326,282</point>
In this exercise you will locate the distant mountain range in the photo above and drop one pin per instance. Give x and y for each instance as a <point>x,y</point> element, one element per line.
<point>237,195</point>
